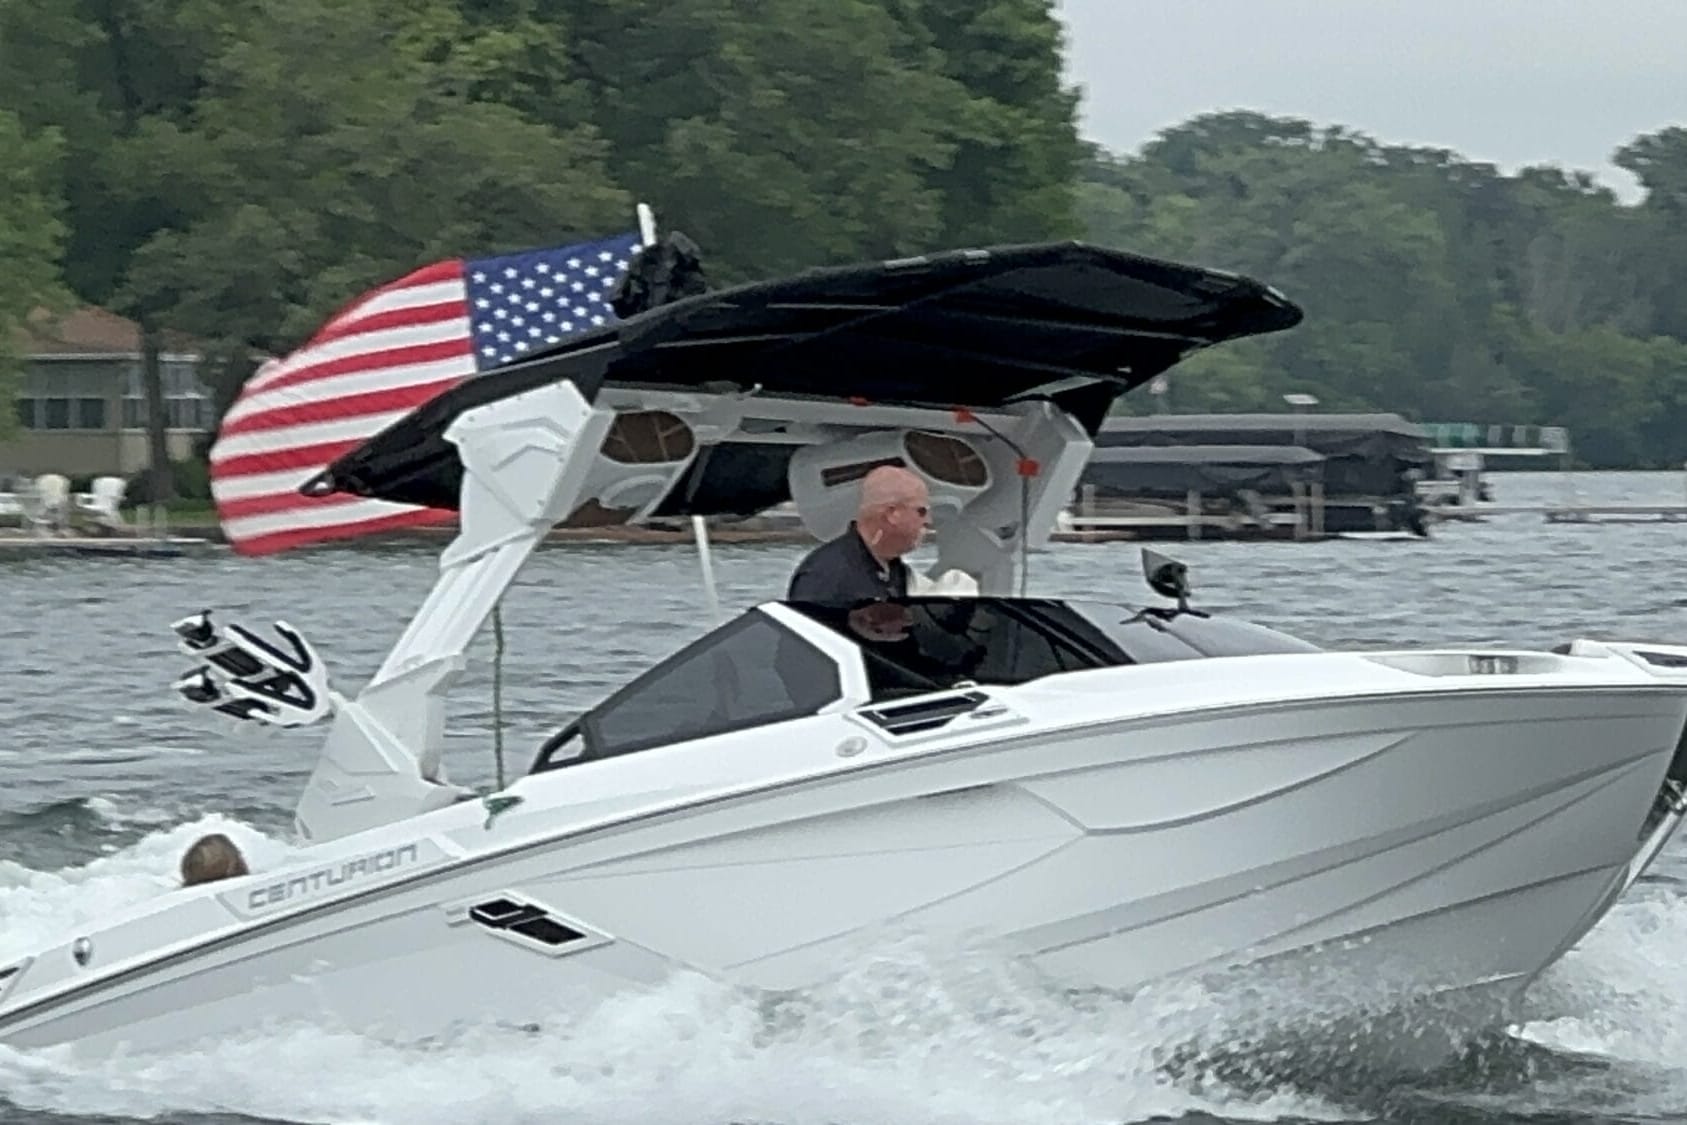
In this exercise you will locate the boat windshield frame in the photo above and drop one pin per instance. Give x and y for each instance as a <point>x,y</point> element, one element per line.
<point>892,649</point>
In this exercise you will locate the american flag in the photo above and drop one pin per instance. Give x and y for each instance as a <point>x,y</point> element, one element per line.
<point>376,360</point>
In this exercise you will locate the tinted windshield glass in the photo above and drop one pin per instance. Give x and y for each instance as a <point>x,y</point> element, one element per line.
<point>750,672</point>
<point>924,644</point>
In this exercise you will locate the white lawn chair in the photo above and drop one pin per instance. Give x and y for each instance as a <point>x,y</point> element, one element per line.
<point>30,515</point>
<point>52,503</point>
<point>103,503</point>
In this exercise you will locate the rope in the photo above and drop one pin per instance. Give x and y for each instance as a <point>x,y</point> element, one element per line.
<point>498,689</point>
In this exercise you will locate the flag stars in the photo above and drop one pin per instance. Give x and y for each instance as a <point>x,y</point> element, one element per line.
<point>542,297</point>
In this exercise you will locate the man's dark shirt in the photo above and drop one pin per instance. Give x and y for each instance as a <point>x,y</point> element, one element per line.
<point>843,572</point>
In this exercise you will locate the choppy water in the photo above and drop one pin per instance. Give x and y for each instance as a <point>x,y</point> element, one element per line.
<point>104,780</point>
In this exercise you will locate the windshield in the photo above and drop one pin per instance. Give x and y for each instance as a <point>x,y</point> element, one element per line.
<point>750,672</point>
<point>755,671</point>
<point>926,644</point>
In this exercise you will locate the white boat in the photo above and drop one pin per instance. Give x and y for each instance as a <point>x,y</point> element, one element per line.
<point>1120,796</point>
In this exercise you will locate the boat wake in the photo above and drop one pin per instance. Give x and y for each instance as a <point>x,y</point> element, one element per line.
<point>906,1032</point>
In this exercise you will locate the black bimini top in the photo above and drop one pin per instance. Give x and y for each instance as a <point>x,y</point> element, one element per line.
<point>1076,324</point>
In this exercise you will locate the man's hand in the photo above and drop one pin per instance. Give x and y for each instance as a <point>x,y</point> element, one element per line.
<point>881,621</point>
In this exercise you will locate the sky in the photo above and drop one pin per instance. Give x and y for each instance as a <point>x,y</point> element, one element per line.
<point>1510,82</point>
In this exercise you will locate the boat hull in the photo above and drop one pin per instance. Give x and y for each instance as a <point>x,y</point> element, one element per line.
<point>1363,854</point>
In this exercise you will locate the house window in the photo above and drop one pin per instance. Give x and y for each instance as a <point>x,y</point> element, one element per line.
<point>67,394</point>
<point>187,404</point>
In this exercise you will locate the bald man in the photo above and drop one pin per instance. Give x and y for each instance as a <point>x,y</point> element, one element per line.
<point>864,564</point>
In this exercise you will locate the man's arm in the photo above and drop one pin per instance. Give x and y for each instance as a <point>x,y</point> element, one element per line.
<point>804,586</point>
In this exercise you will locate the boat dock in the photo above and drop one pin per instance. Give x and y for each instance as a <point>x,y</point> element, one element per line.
<point>1568,513</point>
<point>110,546</point>
<point>1462,452</point>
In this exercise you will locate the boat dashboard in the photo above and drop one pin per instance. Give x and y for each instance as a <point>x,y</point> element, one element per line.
<point>760,668</point>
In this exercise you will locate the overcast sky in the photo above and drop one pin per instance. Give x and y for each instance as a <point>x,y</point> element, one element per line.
<point>1511,82</point>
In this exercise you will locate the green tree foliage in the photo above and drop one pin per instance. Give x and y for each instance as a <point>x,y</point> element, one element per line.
<point>240,169</point>
<point>31,234</point>
<point>119,79</point>
<point>1017,153</point>
<point>237,170</point>
<point>330,154</point>
<point>1434,286</point>
<point>780,136</point>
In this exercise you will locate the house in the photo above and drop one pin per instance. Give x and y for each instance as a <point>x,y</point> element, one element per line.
<point>81,407</point>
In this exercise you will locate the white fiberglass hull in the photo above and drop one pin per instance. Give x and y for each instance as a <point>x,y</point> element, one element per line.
<point>1421,844</point>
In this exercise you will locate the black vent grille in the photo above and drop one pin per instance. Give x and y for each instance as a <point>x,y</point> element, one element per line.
<point>926,714</point>
<point>531,922</point>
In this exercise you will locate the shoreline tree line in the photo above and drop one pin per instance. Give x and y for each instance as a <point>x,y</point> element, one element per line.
<point>236,171</point>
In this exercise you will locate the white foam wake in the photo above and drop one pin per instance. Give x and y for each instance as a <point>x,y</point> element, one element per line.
<point>37,907</point>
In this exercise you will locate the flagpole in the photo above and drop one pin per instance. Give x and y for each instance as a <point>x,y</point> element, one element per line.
<point>699,529</point>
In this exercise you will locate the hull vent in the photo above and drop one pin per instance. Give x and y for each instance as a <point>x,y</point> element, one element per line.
<point>509,916</point>
<point>928,714</point>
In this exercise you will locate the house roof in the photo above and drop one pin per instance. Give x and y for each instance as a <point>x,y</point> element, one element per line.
<point>90,331</point>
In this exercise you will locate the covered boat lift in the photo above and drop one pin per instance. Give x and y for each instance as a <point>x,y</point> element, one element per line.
<point>1338,472</point>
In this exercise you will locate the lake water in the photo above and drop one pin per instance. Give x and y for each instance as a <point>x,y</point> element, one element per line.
<point>104,779</point>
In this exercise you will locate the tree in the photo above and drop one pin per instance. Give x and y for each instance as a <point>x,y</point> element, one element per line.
<point>31,237</point>
<point>392,158</point>
<point>1017,151</point>
<point>114,77</point>
<point>1659,161</point>
<point>780,136</point>
<point>1434,286</point>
